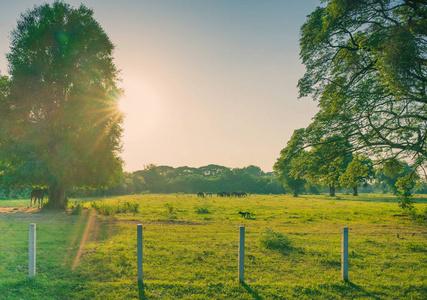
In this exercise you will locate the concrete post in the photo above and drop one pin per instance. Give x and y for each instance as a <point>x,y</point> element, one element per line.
<point>344,254</point>
<point>32,251</point>
<point>242,254</point>
<point>139,252</point>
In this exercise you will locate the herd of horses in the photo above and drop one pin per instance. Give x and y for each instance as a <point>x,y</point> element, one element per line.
<point>223,194</point>
<point>243,214</point>
<point>37,195</point>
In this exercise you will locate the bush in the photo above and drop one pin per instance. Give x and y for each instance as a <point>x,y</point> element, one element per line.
<point>112,209</point>
<point>128,207</point>
<point>170,211</point>
<point>406,203</point>
<point>202,210</point>
<point>76,208</point>
<point>275,240</point>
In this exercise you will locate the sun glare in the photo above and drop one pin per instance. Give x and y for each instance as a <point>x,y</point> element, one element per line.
<point>142,108</point>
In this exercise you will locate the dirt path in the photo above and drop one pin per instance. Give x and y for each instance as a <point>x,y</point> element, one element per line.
<point>21,209</point>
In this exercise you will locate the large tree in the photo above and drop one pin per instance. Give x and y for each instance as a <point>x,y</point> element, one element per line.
<point>290,156</point>
<point>366,64</point>
<point>4,95</point>
<point>62,119</point>
<point>358,171</point>
<point>324,163</point>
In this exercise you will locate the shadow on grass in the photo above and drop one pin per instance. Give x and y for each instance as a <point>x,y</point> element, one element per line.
<point>141,291</point>
<point>362,290</point>
<point>375,198</point>
<point>251,291</point>
<point>343,290</point>
<point>41,288</point>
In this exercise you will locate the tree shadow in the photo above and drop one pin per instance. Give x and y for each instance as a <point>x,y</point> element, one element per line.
<point>251,291</point>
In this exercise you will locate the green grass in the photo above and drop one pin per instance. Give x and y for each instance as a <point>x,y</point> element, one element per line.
<point>191,249</point>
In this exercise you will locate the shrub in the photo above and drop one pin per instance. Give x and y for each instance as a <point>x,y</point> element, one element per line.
<point>202,210</point>
<point>170,208</point>
<point>170,211</point>
<point>275,240</point>
<point>128,207</point>
<point>406,203</point>
<point>76,208</point>
<point>112,209</point>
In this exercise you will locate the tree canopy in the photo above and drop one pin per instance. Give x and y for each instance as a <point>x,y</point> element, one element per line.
<point>62,125</point>
<point>286,167</point>
<point>366,64</point>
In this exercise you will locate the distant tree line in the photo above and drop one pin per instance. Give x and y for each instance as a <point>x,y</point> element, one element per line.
<point>166,179</point>
<point>211,178</point>
<point>215,178</point>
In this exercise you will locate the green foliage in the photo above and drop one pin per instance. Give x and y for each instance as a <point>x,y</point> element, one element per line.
<point>76,208</point>
<point>202,210</point>
<point>288,164</point>
<point>273,240</point>
<point>10,192</point>
<point>357,172</point>
<point>365,64</point>
<point>165,179</point>
<point>323,164</point>
<point>326,162</point>
<point>110,209</point>
<point>393,167</point>
<point>211,178</point>
<point>103,208</point>
<point>404,186</point>
<point>170,211</point>
<point>61,125</point>
<point>389,173</point>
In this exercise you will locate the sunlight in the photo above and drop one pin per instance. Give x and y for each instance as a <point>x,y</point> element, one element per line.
<point>112,114</point>
<point>89,225</point>
<point>142,107</point>
<point>75,236</point>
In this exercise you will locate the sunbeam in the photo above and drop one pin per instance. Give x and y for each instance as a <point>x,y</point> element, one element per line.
<point>89,225</point>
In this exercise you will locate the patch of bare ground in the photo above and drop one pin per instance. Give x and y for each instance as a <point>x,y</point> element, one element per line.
<point>32,214</point>
<point>25,210</point>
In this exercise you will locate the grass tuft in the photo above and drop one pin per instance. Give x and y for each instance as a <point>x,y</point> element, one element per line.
<point>202,210</point>
<point>110,209</point>
<point>273,240</point>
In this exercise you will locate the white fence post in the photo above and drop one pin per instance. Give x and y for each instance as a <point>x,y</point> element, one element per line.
<point>32,251</point>
<point>344,254</point>
<point>139,252</point>
<point>242,254</point>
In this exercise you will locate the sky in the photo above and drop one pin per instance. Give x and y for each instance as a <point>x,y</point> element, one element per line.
<point>206,82</point>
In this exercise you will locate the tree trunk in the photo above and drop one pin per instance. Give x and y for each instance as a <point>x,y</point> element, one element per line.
<point>331,191</point>
<point>355,191</point>
<point>57,197</point>
<point>296,192</point>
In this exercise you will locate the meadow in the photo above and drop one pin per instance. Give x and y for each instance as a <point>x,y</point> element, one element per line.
<point>191,248</point>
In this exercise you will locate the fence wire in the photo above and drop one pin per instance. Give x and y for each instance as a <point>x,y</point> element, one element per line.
<point>210,253</point>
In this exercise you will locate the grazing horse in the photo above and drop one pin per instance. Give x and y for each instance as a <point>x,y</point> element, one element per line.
<point>37,195</point>
<point>245,215</point>
<point>200,194</point>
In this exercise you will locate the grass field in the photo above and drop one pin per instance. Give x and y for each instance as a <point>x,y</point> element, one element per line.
<point>191,249</point>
